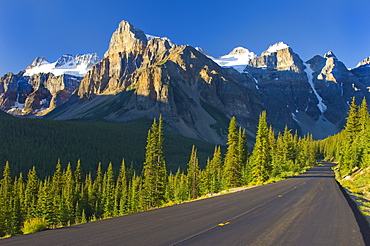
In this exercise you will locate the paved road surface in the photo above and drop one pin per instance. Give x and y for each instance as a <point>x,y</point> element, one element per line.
<point>306,210</point>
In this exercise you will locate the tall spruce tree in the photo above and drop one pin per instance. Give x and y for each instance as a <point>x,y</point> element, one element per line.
<point>193,174</point>
<point>154,168</point>
<point>261,157</point>
<point>214,171</point>
<point>31,193</point>
<point>121,191</point>
<point>108,193</point>
<point>6,197</point>
<point>364,135</point>
<point>349,154</point>
<point>232,161</point>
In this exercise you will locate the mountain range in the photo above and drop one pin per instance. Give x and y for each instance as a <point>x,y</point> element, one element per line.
<point>142,75</point>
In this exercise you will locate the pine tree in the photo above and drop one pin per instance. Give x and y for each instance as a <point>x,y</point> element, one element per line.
<point>135,195</point>
<point>232,161</point>
<point>68,195</point>
<point>6,197</point>
<point>261,157</point>
<point>45,204</point>
<point>121,191</point>
<point>181,192</point>
<point>193,174</point>
<point>154,168</point>
<point>364,134</point>
<point>31,193</point>
<point>288,150</point>
<point>108,193</point>
<point>18,209</point>
<point>277,159</point>
<point>78,173</point>
<point>352,126</point>
<point>350,152</point>
<point>214,171</point>
<point>97,193</point>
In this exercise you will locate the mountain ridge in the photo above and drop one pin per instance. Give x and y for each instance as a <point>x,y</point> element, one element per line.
<point>143,75</point>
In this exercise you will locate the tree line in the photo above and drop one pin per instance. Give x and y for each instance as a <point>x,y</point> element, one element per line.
<point>351,147</point>
<point>71,197</point>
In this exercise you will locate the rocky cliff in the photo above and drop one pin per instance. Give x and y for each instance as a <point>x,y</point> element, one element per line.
<point>312,96</point>
<point>36,94</point>
<point>44,86</point>
<point>195,96</point>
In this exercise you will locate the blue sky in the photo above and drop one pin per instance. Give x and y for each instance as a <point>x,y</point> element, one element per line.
<point>51,28</point>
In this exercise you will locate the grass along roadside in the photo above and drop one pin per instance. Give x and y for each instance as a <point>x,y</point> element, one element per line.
<point>357,186</point>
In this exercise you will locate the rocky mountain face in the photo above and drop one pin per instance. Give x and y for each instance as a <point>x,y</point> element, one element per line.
<point>36,94</point>
<point>142,75</point>
<point>43,85</point>
<point>312,96</point>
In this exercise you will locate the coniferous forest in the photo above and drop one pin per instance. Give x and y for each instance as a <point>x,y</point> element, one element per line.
<point>25,143</point>
<point>71,195</point>
<point>351,147</point>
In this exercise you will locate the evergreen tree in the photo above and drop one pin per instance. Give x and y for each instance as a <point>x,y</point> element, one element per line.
<point>121,191</point>
<point>45,204</point>
<point>261,157</point>
<point>288,150</point>
<point>6,197</point>
<point>68,196</point>
<point>214,171</point>
<point>364,134</point>
<point>350,152</point>
<point>31,193</point>
<point>181,192</point>
<point>97,193</point>
<point>232,161</point>
<point>277,160</point>
<point>352,126</point>
<point>135,194</point>
<point>18,209</point>
<point>108,193</point>
<point>154,168</point>
<point>193,173</point>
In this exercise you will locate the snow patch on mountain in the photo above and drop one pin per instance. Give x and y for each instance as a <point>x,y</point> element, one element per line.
<point>150,37</point>
<point>309,72</point>
<point>275,47</point>
<point>77,66</point>
<point>238,59</point>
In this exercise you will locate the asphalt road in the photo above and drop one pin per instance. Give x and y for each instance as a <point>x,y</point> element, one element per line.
<point>309,209</point>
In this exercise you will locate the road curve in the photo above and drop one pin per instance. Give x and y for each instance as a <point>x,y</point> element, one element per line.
<point>309,209</point>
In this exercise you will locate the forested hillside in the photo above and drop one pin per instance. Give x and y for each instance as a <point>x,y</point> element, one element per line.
<point>25,143</point>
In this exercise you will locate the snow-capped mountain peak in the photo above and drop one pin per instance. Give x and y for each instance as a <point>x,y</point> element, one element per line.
<point>275,47</point>
<point>77,65</point>
<point>241,51</point>
<point>365,62</point>
<point>38,62</point>
<point>330,54</point>
<point>238,58</point>
<point>65,61</point>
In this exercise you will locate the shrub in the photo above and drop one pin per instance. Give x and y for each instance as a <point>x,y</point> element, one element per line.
<point>34,225</point>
